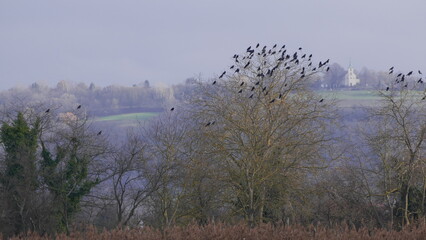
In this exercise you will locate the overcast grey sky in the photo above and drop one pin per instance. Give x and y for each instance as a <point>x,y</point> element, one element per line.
<point>129,41</point>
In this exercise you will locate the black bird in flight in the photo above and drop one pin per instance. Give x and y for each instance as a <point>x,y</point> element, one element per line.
<point>214,82</point>
<point>328,68</point>
<point>263,89</point>
<point>251,96</point>
<point>257,45</point>
<point>424,98</point>
<point>280,96</point>
<point>283,46</point>
<point>275,45</point>
<point>310,56</point>
<point>241,90</point>
<point>273,100</point>
<point>411,72</point>
<point>322,100</point>
<point>242,84</point>
<point>248,49</point>
<point>303,56</point>
<point>221,75</point>
<point>231,67</point>
<point>252,89</point>
<point>420,80</point>
<point>48,110</point>
<point>257,83</point>
<point>238,70</point>
<point>390,69</point>
<point>399,75</point>
<point>300,48</point>
<point>420,72</point>
<point>387,89</point>
<point>208,124</point>
<point>171,109</point>
<point>79,106</point>
<point>100,132</point>
<point>248,63</point>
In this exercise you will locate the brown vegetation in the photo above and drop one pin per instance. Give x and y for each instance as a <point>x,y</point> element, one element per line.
<point>242,231</point>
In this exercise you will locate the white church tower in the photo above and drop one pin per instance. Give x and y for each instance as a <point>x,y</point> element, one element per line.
<point>350,78</point>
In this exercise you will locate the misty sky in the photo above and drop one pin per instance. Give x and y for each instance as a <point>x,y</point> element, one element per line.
<point>129,41</point>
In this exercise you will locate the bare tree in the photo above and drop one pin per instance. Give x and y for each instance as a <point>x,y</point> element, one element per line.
<point>264,125</point>
<point>396,136</point>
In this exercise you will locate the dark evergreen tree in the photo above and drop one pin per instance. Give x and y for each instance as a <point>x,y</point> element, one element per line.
<point>19,178</point>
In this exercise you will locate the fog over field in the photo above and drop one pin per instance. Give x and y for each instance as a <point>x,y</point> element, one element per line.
<point>161,117</point>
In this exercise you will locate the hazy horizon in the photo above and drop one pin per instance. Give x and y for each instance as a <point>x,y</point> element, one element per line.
<point>109,42</point>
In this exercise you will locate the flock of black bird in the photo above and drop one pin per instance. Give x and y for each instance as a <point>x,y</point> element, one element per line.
<point>78,107</point>
<point>403,80</point>
<point>297,65</point>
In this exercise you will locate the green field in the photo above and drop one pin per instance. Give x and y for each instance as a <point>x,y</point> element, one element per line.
<point>346,98</point>
<point>128,117</point>
<point>351,95</point>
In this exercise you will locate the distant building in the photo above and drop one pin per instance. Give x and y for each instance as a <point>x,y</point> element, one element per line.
<point>350,78</point>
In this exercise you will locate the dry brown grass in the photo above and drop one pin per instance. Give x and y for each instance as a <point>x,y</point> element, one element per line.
<point>241,231</point>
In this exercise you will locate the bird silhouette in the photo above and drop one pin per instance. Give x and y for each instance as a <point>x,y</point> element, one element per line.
<point>257,45</point>
<point>242,84</point>
<point>79,106</point>
<point>100,132</point>
<point>208,124</point>
<point>224,72</point>
<point>328,68</point>
<point>241,90</point>
<point>171,109</point>
<point>283,46</point>
<point>387,89</point>
<point>300,49</point>
<point>275,45</point>
<point>248,49</point>
<point>420,72</point>
<point>257,83</point>
<point>424,98</point>
<point>252,89</point>
<point>322,100</point>
<point>280,96</point>
<point>251,96</point>
<point>238,70</point>
<point>391,71</point>
<point>399,75</point>
<point>214,82</point>
<point>248,63</point>
<point>411,72</point>
<point>231,67</point>
<point>391,68</point>
<point>263,89</point>
<point>273,100</point>
<point>48,110</point>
